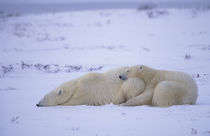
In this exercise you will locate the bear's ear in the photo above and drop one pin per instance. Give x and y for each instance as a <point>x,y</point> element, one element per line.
<point>141,68</point>
<point>60,92</point>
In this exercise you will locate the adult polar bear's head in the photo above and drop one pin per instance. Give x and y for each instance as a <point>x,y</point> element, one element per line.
<point>61,94</point>
<point>57,96</point>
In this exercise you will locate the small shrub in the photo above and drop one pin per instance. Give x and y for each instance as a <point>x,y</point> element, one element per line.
<point>95,68</point>
<point>6,69</point>
<point>24,65</point>
<point>144,7</point>
<point>194,131</point>
<point>15,119</point>
<point>187,56</point>
<point>156,13</point>
<point>71,68</point>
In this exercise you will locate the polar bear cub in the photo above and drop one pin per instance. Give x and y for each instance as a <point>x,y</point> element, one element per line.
<point>163,88</point>
<point>95,89</point>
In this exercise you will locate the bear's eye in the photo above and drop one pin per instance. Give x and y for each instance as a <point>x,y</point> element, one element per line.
<point>60,92</point>
<point>127,71</point>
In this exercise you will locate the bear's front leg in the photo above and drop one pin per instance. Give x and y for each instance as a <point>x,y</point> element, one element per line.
<point>143,99</point>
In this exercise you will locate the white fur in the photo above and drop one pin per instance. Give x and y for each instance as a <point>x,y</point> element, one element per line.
<point>95,89</point>
<point>163,88</point>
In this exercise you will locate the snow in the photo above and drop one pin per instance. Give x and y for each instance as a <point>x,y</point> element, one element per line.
<point>40,51</point>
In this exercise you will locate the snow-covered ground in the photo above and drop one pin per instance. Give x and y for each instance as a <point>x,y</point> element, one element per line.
<point>40,51</point>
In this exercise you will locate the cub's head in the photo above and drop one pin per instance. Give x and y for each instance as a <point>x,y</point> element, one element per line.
<point>57,96</point>
<point>136,71</point>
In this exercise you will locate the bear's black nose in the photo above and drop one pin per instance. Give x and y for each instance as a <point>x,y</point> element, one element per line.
<point>37,105</point>
<point>122,77</point>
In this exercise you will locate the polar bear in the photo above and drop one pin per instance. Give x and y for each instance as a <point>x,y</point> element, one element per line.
<point>163,88</point>
<point>95,89</point>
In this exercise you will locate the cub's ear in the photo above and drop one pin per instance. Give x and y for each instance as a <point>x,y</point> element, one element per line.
<point>141,68</point>
<point>60,92</point>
